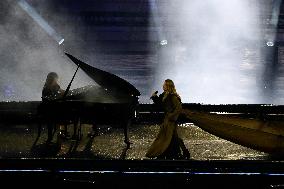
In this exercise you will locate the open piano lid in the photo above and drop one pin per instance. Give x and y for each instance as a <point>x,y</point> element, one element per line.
<point>106,80</point>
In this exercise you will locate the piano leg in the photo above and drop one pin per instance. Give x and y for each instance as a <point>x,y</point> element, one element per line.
<point>54,129</point>
<point>126,138</point>
<point>80,131</point>
<point>65,130</point>
<point>39,128</point>
<point>50,131</point>
<point>77,134</point>
<point>93,132</point>
<point>75,129</point>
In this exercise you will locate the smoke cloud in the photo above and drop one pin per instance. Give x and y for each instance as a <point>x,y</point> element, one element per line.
<point>214,50</point>
<point>28,53</point>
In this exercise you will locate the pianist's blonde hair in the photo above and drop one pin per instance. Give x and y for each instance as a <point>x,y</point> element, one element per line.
<point>50,78</point>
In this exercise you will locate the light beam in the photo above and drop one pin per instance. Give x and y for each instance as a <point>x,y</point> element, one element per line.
<point>40,21</point>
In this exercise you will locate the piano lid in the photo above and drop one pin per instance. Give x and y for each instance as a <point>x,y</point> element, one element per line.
<point>105,79</point>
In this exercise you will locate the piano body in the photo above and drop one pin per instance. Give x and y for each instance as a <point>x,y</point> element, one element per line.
<point>114,102</point>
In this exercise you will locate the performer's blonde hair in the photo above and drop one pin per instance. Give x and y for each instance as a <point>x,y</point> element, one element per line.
<point>170,88</point>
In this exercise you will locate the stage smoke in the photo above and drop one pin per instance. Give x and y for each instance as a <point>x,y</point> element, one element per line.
<point>29,50</point>
<point>213,51</point>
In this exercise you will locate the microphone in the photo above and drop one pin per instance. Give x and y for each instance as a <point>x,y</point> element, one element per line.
<point>154,94</point>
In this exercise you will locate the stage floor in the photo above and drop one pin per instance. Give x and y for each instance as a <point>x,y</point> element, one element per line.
<point>16,141</point>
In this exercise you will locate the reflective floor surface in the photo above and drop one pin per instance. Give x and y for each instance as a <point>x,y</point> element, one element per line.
<point>17,141</point>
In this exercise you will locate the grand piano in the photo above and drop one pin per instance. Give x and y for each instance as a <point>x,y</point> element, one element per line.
<point>112,101</point>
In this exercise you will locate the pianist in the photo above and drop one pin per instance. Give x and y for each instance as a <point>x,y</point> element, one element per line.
<point>51,90</point>
<point>168,145</point>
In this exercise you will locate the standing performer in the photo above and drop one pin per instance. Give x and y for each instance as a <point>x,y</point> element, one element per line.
<point>168,145</point>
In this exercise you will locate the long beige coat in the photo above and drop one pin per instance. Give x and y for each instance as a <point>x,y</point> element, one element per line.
<point>168,128</point>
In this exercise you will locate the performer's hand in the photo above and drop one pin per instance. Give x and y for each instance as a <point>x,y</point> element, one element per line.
<point>155,93</point>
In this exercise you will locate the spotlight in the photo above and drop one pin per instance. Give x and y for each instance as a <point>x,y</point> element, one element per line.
<point>61,41</point>
<point>270,44</point>
<point>163,42</point>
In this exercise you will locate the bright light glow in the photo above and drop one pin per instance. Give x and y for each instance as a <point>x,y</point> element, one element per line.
<point>270,44</point>
<point>61,41</point>
<point>164,42</point>
<point>214,46</point>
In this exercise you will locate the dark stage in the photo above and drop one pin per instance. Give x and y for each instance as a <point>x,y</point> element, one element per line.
<point>105,160</point>
<point>146,174</point>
